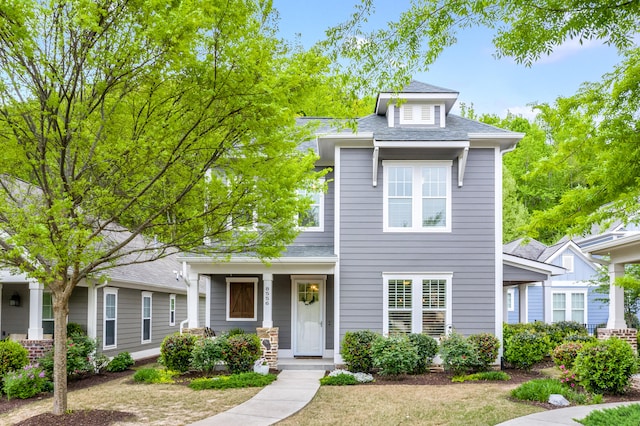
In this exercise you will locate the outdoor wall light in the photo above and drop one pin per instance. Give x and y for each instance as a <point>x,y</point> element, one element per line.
<point>14,300</point>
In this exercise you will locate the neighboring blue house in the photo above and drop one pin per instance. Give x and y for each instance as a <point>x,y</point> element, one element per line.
<point>407,237</point>
<point>568,296</point>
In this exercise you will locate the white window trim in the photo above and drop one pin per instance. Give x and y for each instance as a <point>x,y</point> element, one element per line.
<point>416,310</point>
<point>172,318</point>
<point>320,227</point>
<point>416,197</point>
<point>417,112</point>
<point>146,294</point>
<point>568,261</point>
<point>254,280</point>
<point>569,304</point>
<point>511,306</point>
<point>107,291</point>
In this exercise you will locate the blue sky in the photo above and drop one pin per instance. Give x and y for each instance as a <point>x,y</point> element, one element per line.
<point>492,85</point>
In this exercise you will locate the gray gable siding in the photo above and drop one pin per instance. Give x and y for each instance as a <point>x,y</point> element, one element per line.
<point>78,306</point>
<point>15,319</point>
<point>326,237</point>
<point>366,252</point>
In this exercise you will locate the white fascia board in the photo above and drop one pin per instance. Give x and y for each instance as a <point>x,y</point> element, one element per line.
<point>122,283</point>
<point>421,144</point>
<point>506,141</point>
<point>620,250</point>
<point>532,265</point>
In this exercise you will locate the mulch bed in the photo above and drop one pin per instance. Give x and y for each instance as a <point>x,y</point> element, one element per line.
<point>109,417</point>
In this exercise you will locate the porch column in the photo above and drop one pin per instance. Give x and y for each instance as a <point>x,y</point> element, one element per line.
<point>192,281</point>
<point>267,302</point>
<point>207,300</point>
<point>523,311</point>
<point>547,308</point>
<point>616,298</point>
<point>35,310</point>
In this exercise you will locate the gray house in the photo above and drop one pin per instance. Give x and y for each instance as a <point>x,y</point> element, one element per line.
<point>407,237</point>
<point>133,310</point>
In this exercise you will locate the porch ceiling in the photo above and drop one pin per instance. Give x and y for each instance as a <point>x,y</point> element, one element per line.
<point>620,250</point>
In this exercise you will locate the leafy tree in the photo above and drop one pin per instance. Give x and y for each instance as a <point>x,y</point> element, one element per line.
<point>135,129</point>
<point>524,30</point>
<point>630,281</point>
<point>514,213</point>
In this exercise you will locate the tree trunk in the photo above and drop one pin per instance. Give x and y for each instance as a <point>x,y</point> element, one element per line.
<point>60,312</point>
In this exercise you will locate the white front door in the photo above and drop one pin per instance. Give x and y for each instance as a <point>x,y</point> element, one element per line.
<point>308,315</point>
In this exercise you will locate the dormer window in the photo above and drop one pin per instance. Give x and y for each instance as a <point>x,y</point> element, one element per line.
<point>417,114</point>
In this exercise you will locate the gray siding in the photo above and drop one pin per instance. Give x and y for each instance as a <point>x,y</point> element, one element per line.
<point>15,319</point>
<point>514,274</point>
<point>78,306</point>
<point>282,309</point>
<point>468,251</point>
<point>326,237</point>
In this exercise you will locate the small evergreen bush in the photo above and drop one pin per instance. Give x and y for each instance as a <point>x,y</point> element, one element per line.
<point>526,349</point>
<point>207,353</point>
<point>459,355</point>
<point>427,350</point>
<point>339,380</point>
<point>242,380</point>
<point>120,362</point>
<point>154,375</point>
<point>356,350</point>
<point>605,366</point>
<point>25,383</point>
<point>394,355</point>
<point>566,354</point>
<point>13,356</point>
<point>487,346</point>
<point>241,351</point>
<point>175,351</point>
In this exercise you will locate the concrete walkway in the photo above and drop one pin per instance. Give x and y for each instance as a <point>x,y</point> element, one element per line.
<point>284,397</point>
<point>560,416</point>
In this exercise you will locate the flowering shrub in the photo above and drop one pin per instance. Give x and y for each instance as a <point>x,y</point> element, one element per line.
<point>80,357</point>
<point>486,346</point>
<point>566,353</point>
<point>567,377</point>
<point>605,366</point>
<point>175,351</point>
<point>12,356</point>
<point>458,354</point>
<point>240,352</point>
<point>356,350</point>
<point>25,383</point>
<point>394,355</point>
<point>360,377</point>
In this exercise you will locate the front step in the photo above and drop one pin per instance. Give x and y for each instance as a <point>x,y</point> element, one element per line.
<point>325,364</point>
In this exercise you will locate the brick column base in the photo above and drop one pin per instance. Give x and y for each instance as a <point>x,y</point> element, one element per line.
<point>36,348</point>
<point>269,341</point>
<point>629,335</point>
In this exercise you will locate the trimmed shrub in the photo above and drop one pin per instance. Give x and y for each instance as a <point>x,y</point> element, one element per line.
<point>356,350</point>
<point>427,350</point>
<point>242,380</point>
<point>566,354</point>
<point>339,380</point>
<point>80,351</point>
<point>458,354</point>
<point>526,349</point>
<point>394,355</point>
<point>175,351</point>
<point>25,383</point>
<point>207,353</point>
<point>13,356</point>
<point>487,346</point>
<point>580,338</point>
<point>120,362</point>
<point>240,352</point>
<point>605,366</point>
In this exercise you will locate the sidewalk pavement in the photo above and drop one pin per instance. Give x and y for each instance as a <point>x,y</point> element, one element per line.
<point>284,397</point>
<point>560,416</point>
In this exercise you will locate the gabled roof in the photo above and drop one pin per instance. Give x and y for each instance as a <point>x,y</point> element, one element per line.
<point>419,87</point>
<point>416,90</point>
<point>528,249</point>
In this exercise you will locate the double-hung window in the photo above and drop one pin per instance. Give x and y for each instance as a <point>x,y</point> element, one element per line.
<point>510,299</point>
<point>110,326</point>
<point>146,317</point>
<point>417,303</point>
<point>569,306</point>
<point>313,219</point>
<point>172,309</point>
<point>47,313</point>
<point>242,300</point>
<point>417,196</point>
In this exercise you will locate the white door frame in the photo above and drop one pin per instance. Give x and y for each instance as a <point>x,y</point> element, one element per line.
<point>294,308</point>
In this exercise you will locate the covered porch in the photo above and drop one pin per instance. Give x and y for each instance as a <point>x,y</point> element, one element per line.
<point>617,253</point>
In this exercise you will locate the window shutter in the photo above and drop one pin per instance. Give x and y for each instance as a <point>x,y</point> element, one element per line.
<point>425,113</point>
<point>241,300</point>
<point>407,113</point>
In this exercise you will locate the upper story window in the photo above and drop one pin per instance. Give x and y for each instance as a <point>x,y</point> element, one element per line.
<point>417,114</point>
<point>417,196</point>
<point>313,218</point>
<point>567,262</point>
